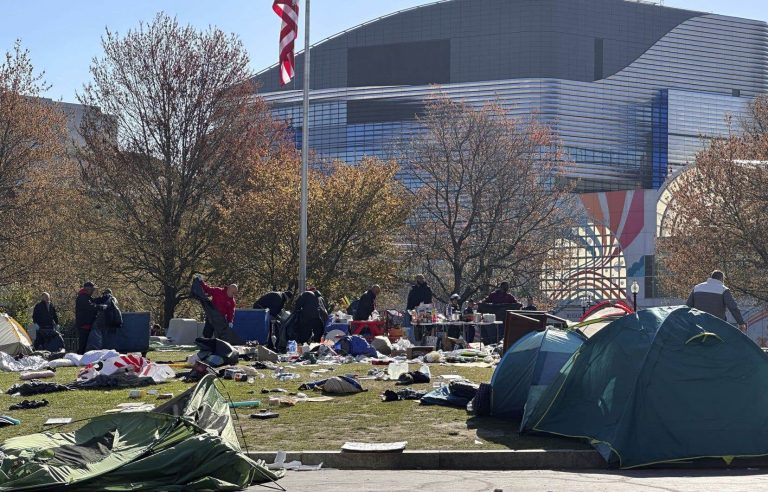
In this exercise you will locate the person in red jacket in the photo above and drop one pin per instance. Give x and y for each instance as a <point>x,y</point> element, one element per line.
<point>223,299</point>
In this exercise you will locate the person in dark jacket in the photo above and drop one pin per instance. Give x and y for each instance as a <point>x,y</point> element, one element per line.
<point>44,314</point>
<point>501,295</point>
<point>530,306</point>
<point>112,317</point>
<point>45,317</point>
<point>420,293</point>
<point>274,302</point>
<point>86,309</point>
<point>367,304</point>
<point>471,307</point>
<point>310,316</point>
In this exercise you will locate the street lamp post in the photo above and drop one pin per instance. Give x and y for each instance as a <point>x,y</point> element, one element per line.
<point>635,289</point>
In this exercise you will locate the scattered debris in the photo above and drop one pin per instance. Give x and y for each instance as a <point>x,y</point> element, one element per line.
<point>6,420</point>
<point>132,407</point>
<point>58,421</point>
<point>374,447</point>
<point>403,394</point>
<point>280,464</point>
<point>30,375</point>
<point>245,404</point>
<point>29,405</point>
<point>35,387</point>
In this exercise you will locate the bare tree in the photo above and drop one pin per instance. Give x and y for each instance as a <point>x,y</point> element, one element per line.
<point>32,143</point>
<point>717,210</point>
<point>182,126</point>
<point>490,204</point>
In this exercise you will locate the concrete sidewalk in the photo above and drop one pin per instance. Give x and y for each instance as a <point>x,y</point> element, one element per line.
<point>532,480</point>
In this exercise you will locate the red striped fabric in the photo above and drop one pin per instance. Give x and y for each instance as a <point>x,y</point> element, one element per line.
<point>288,10</point>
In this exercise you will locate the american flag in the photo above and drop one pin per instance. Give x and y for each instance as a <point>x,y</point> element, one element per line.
<point>288,10</point>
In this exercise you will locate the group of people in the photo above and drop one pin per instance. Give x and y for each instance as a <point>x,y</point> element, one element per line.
<point>94,315</point>
<point>103,312</point>
<point>421,293</point>
<point>91,314</point>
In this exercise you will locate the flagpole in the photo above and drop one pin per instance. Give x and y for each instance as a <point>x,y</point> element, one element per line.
<point>304,160</point>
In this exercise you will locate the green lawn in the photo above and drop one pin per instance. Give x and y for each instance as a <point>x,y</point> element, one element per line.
<point>309,426</point>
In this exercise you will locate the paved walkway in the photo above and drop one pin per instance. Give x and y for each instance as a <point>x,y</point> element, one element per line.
<point>530,480</point>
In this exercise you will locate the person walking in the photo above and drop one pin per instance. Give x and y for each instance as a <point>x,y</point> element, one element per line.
<point>713,297</point>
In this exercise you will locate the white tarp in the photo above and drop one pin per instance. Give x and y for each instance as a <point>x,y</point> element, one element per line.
<point>28,363</point>
<point>91,357</point>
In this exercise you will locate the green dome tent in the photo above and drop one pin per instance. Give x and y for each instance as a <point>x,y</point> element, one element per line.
<point>662,385</point>
<point>527,369</point>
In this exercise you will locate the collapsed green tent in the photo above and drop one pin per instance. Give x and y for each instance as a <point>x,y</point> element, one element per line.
<point>187,444</point>
<point>662,385</point>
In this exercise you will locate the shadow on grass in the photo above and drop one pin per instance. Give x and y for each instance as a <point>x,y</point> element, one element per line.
<point>506,433</point>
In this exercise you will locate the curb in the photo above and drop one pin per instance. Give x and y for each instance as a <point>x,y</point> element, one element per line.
<point>535,459</point>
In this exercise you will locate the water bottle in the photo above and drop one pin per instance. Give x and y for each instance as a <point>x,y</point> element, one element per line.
<point>305,348</point>
<point>292,348</point>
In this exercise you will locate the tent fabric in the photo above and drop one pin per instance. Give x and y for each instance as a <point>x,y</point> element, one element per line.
<point>187,444</point>
<point>600,315</point>
<point>14,339</point>
<point>662,385</point>
<point>527,369</point>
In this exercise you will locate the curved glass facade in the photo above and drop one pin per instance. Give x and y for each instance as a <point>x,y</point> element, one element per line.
<point>632,91</point>
<point>629,88</point>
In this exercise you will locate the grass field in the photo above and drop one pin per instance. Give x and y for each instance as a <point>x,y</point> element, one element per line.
<point>308,426</point>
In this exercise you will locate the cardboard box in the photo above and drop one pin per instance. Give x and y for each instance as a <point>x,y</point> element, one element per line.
<point>414,352</point>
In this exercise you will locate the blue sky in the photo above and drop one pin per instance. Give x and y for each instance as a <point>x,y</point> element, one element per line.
<point>64,35</point>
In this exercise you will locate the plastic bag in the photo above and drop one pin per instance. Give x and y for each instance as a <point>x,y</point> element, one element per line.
<point>395,369</point>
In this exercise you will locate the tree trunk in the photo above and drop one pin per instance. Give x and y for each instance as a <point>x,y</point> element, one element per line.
<point>169,305</point>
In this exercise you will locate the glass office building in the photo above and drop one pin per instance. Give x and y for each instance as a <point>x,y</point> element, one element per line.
<point>630,88</point>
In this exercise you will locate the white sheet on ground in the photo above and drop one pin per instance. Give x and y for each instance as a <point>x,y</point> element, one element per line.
<point>28,363</point>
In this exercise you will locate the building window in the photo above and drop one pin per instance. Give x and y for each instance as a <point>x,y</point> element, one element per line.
<point>598,58</point>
